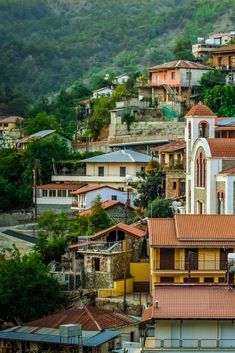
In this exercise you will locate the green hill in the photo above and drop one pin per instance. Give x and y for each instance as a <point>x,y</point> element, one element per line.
<point>48,44</point>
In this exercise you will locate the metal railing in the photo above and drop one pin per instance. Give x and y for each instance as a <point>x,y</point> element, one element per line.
<point>200,265</point>
<point>104,247</point>
<point>189,343</point>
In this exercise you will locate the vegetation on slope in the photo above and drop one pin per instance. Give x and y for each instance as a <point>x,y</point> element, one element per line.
<point>48,44</point>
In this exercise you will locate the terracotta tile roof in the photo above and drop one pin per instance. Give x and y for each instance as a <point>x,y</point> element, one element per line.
<point>89,188</point>
<point>180,64</point>
<point>192,230</point>
<point>226,48</point>
<point>11,119</point>
<point>228,171</point>
<point>222,147</point>
<point>129,229</point>
<point>61,186</point>
<point>90,317</point>
<point>171,147</point>
<point>104,205</point>
<point>192,302</point>
<point>200,110</point>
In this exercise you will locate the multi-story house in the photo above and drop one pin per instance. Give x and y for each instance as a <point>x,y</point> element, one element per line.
<point>210,178</point>
<point>224,60</point>
<point>112,258</point>
<point>113,169</point>
<point>206,46</point>
<point>10,130</point>
<point>174,83</point>
<point>190,248</point>
<point>172,160</point>
<point>102,92</point>
<point>195,318</point>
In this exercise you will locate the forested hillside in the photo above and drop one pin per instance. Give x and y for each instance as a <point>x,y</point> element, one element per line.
<point>48,44</point>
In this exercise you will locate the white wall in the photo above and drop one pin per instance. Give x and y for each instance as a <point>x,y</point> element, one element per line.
<point>196,75</point>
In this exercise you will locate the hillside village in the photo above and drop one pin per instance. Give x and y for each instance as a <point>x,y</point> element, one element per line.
<point>134,224</point>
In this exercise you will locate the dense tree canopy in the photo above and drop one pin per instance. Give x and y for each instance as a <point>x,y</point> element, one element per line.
<point>27,289</point>
<point>221,99</point>
<point>160,208</point>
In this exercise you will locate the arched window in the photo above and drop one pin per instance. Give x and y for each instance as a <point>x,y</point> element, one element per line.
<point>203,129</point>
<point>201,171</point>
<point>189,130</point>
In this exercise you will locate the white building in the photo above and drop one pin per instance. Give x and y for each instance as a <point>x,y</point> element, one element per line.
<point>190,317</point>
<point>210,175</point>
<point>102,92</point>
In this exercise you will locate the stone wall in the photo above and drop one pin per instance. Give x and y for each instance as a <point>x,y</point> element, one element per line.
<point>160,129</point>
<point>14,218</point>
<point>118,213</point>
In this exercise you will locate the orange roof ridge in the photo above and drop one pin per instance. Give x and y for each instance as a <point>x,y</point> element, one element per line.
<point>92,317</point>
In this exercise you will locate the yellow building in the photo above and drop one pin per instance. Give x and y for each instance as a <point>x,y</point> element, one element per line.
<point>190,248</point>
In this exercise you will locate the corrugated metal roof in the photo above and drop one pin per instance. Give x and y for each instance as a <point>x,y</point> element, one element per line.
<point>31,334</point>
<point>43,133</point>
<point>121,156</point>
<point>226,122</point>
<point>90,317</point>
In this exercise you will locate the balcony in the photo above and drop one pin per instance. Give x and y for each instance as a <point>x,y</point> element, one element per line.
<point>91,178</point>
<point>103,247</point>
<point>152,344</point>
<point>184,266</point>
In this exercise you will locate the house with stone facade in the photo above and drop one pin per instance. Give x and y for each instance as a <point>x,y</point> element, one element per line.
<point>190,248</point>
<point>110,256</point>
<point>190,318</point>
<point>172,159</point>
<point>210,178</point>
<point>11,130</point>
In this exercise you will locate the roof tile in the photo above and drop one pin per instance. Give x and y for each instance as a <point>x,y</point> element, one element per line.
<point>200,110</point>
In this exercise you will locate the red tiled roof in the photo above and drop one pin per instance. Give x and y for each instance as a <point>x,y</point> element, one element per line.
<point>171,147</point>
<point>180,64</point>
<point>200,110</point>
<point>228,171</point>
<point>89,188</point>
<point>90,317</point>
<point>129,229</point>
<point>61,186</point>
<point>11,119</point>
<point>222,147</point>
<point>104,205</point>
<point>192,302</point>
<point>192,230</point>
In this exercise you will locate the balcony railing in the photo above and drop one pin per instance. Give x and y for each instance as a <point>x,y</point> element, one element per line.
<point>204,343</point>
<point>103,247</point>
<point>181,265</point>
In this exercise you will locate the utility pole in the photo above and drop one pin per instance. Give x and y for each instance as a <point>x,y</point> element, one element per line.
<point>124,276</point>
<point>35,177</point>
<point>76,124</point>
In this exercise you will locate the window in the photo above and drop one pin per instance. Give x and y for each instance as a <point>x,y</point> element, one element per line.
<point>188,75</point>
<point>132,335</point>
<point>101,171</point>
<point>208,279</point>
<point>114,197</point>
<point>96,263</point>
<point>44,193</point>
<point>201,171</point>
<point>111,345</point>
<point>222,279</point>
<point>166,279</point>
<point>220,202</point>
<point>122,171</point>
<point>200,207</point>
<point>142,169</point>
<point>61,193</point>
<point>203,129</point>
<point>52,193</point>
<point>173,75</point>
<point>174,185</point>
<point>191,280</point>
<point>189,130</point>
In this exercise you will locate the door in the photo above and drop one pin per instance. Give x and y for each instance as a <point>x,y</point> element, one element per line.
<point>191,259</point>
<point>167,259</point>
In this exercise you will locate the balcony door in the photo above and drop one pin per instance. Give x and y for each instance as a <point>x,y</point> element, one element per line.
<point>224,258</point>
<point>191,259</point>
<point>167,259</point>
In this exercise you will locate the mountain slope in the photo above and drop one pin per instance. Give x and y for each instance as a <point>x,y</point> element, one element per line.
<point>46,44</point>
